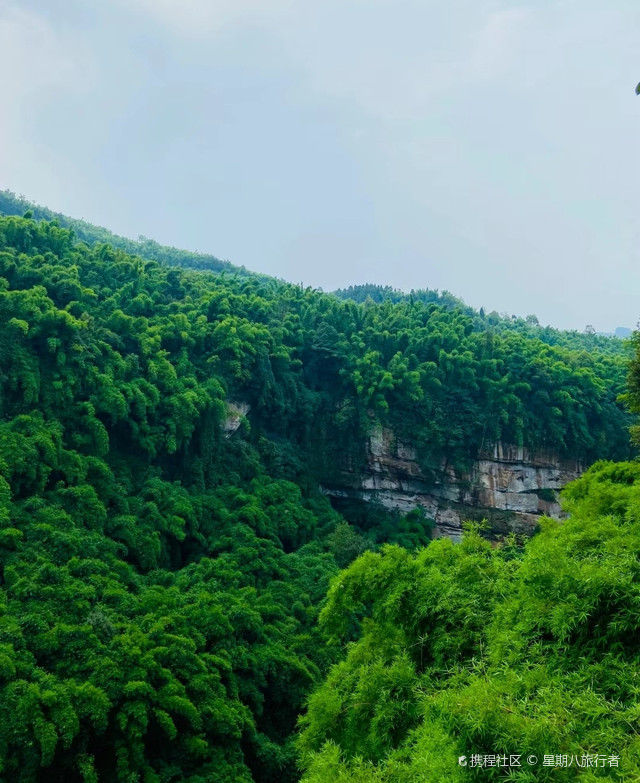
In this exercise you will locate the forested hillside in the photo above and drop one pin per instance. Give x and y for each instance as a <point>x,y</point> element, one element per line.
<point>10,204</point>
<point>162,575</point>
<point>588,340</point>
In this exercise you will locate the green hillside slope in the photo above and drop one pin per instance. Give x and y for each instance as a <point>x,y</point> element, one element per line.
<point>10,204</point>
<point>161,575</point>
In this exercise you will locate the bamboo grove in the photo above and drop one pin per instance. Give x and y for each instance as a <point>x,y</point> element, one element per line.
<point>171,592</point>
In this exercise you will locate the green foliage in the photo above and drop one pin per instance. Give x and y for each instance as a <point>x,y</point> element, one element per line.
<point>159,588</point>
<point>161,574</point>
<point>10,204</point>
<point>579,341</point>
<point>451,381</point>
<point>489,650</point>
<point>372,524</point>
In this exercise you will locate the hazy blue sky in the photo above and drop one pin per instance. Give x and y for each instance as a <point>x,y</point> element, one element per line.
<point>488,148</point>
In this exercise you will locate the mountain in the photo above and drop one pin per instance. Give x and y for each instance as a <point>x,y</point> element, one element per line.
<point>588,340</point>
<point>170,438</point>
<point>10,204</point>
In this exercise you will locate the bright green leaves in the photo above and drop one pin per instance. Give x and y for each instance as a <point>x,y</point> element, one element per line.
<point>199,659</point>
<point>30,450</point>
<point>42,717</point>
<point>487,651</point>
<point>21,327</point>
<point>162,575</point>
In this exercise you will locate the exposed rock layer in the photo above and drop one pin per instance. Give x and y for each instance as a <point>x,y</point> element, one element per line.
<point>236,411</point>
<point>511,487</point>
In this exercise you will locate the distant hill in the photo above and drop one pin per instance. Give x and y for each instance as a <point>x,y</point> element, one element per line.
<point>10,204</point>
<point>493,321</point>
<point>620,333</point>
<point>385,293</point>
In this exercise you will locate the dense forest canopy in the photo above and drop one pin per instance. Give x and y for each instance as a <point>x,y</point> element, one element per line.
<point>588,340</point>
<point>10,204</point>
<point>161,577</point>
<point>422,359</point>
<point>484,653</point>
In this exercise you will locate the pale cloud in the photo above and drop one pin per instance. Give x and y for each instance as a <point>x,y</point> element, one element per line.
<point>384,57</point>
<point>33,58</point>
<point>41,64</point>
<point>499,44</point>
<point>198,19</point>
<point>394,60</point>
<point>484,146</point>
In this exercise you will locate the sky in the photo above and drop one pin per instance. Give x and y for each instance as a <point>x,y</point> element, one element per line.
<point>484,147</point>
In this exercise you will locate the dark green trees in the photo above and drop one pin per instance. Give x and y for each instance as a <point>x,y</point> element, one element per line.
<point>160,578</point>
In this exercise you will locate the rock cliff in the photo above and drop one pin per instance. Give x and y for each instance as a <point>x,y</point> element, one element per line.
<point>236,412</point>
<point>511,487</point>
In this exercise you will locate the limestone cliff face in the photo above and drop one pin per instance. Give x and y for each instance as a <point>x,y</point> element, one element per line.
<point>510,486</point>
